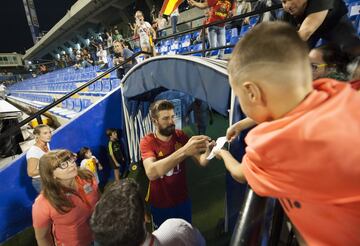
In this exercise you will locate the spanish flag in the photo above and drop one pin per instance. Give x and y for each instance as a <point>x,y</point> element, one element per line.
<point>169,6</point>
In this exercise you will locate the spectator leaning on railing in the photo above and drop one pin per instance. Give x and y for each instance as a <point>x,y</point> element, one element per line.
<point>220,10</point>
<point>324,19</point>
<point>121,53</point>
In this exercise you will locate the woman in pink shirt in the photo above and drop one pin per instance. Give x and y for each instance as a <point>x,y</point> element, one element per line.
<point>65,203</point>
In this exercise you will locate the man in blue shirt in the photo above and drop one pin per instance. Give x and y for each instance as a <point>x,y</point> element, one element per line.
<point>121,53</point>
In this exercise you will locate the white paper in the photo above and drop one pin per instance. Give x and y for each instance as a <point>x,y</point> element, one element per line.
<point>219,144</point>
<point>355,10</point>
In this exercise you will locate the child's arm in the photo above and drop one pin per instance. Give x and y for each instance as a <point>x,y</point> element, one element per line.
<point>234,130</point>
<point>232,165</point>
<point>100,167</point>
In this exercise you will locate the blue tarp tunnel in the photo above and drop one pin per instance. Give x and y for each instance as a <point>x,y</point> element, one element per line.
<point>182,78</point>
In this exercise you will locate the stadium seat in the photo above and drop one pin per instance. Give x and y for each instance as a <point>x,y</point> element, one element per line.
<point>228,35</point>
<point>64,104</point>
<point>115,83</point>
<point>253,20</point>
<point>92,87</point>
<point>183,50</point>
<point>106,85</point>
<point>195,34</point>
<point>77,105</point>
<point>244,30</point>
<point>70,104</point>
<point>214,52</point>
<point>86,103</point>
<point>98,86</point>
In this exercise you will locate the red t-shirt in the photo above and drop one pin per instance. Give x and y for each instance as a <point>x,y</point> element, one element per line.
<point>309,160</point>
<point>220,10</point>
<point>71,228</point>
<point>170,189</point>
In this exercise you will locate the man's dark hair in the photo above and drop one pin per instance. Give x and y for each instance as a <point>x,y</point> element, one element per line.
<point>333,56</point>
<point>118,218</point>
<point>159,105</point>
<point>110,131</point>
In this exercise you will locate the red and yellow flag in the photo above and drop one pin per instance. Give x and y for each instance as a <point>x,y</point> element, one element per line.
<point>169,6</point>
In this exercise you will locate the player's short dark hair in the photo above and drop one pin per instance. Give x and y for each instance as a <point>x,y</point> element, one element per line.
<point>158,106</point>
<point>118,218</point>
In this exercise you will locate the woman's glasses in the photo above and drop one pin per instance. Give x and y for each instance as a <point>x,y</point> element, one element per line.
<point>66,164</point>
<point>316,67</point>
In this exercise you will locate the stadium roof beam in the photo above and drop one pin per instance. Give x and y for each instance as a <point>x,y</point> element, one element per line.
<point>93,20</point>
<point>75,19</point>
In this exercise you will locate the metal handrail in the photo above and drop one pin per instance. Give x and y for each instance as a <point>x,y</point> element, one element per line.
<point>237,17</point>
<point>203,27</point>
<point>37,115</point>
<point>182,23</point>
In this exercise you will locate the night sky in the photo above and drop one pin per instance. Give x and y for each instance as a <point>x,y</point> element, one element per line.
<point>15,32</point>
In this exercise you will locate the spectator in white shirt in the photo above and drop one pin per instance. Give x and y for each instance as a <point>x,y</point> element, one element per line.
<point>42,138</point>
<point>145,31</point>
<point>102,54</point>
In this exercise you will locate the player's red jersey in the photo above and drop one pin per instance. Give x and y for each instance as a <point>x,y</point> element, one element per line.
<point>170,189</point>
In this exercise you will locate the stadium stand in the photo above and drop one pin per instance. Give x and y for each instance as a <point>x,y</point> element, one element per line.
<point>44,89</point>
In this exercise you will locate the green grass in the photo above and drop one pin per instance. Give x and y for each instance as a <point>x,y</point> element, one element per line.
<point>26,237</point>
<point>207,189</point>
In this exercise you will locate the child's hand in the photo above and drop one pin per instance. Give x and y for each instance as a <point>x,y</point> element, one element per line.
<point>100,167</point>
<point>117,165</point>
<point>218,153</point>
<point>233,131</point>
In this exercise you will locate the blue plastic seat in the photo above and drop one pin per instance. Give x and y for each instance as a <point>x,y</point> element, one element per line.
<point>106,85</point>
<point>64,104</point>
<point>70,104</point>
<point>86,103</point>
<point>197,47</point>
<point>115,83</point>
<point>244,30</point>
<point>98,86</point>
<point>228,35</point>
<point>253,20</point>
<point>77,105</point>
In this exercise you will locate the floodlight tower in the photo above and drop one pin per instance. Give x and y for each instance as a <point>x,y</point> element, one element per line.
<point>32,19</point>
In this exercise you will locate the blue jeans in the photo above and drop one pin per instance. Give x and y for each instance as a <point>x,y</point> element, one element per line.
<point>36,184</point>
<point>182,211</point>
<point>217,38</point>
<point>174,20</point>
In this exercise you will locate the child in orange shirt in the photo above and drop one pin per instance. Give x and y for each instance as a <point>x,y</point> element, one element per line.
<point>301,151</point>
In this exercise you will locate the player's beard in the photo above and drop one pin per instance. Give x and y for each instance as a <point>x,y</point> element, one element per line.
<point>167,131</point>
